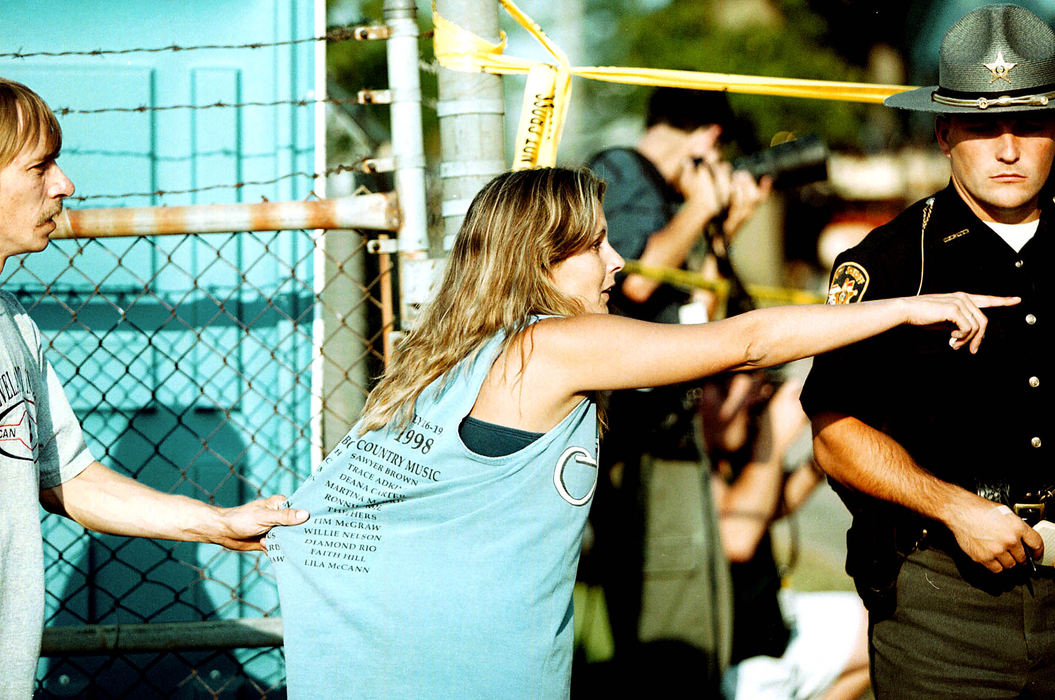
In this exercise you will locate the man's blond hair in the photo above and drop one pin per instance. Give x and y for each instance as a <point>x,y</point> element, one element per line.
<point>24,119</point>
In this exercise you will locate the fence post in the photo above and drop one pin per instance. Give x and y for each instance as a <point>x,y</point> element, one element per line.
<point>471,113</point>
<point>408,149</point>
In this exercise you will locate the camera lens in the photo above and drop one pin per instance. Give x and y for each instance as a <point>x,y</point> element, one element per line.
<point>790,164</point>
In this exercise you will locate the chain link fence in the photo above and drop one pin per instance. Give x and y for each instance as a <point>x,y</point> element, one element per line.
<point>210,365</point>
<point>221,366</point>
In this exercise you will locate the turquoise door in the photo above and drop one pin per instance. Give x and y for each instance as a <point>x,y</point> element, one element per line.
<point>187,358</point>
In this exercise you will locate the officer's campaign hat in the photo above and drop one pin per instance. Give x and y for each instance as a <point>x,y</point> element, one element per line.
<point>996,59</point>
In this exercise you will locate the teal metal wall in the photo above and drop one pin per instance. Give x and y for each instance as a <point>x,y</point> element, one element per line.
<point>187,358</point>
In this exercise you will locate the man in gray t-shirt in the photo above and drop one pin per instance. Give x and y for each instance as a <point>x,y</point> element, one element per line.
<point>43,456</point>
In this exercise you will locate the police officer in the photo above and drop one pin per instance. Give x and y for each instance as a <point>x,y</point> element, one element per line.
<point>940,457</point>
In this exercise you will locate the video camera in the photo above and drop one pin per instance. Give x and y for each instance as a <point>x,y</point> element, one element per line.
<point>790,164</point>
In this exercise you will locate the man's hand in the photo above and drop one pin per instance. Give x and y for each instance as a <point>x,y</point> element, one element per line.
<point>243,528</point>
<point>991,534</point>
<point>745,194</point>
<point>703,178</point>
<point>706,184</point>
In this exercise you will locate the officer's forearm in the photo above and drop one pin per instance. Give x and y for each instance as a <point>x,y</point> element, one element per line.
<point>871,462</point>
<point>874,464</point>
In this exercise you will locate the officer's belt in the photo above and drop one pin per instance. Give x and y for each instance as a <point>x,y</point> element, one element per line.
<point>1029,504</point>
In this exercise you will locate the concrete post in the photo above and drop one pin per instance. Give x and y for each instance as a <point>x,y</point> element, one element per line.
<point>471,114</point>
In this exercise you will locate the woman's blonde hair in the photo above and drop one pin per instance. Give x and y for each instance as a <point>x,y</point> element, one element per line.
<point>518,227</point>
<point>24,119</point>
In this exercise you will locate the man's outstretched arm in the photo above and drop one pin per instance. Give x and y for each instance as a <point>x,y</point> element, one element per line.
<point>100,499</point>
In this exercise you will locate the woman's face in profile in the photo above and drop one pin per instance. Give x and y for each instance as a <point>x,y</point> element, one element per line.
<point>589,274</point>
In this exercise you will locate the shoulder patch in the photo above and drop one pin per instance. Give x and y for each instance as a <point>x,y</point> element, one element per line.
<point>848,284</point>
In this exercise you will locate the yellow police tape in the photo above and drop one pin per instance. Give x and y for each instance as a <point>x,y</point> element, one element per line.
<point>693,280</point>
<point>548,89</point>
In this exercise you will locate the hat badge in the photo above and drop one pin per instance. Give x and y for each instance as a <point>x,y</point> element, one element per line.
<point>999,68</point>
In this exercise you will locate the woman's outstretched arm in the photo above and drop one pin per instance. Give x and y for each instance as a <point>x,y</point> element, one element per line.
<point>598,352</point>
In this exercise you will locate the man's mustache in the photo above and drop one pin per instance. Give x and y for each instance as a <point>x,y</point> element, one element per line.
<point>49,216</point>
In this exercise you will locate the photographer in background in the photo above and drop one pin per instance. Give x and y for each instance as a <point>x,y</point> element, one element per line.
<point>786,644</point>
<point>656,551</point>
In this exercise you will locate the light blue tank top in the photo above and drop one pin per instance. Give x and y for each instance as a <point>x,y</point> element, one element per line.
<point>428,571</point>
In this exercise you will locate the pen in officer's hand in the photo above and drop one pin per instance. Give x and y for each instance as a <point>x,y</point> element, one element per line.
<point>1029,557</point>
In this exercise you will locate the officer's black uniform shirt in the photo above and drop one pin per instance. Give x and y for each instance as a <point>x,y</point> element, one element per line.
<point>973,420</point>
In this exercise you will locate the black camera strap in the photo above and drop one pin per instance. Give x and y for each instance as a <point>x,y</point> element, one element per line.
<point>738,300</point>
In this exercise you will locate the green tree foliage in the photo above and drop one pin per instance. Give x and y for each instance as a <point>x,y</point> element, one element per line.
<point>356,65</point>
<point>787,42</point>
<point>362,65</point>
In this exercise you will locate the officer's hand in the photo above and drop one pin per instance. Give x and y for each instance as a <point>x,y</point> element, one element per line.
<point>991,534</point>
<point>963,310</point>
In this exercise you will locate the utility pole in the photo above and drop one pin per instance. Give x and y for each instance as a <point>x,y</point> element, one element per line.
<point>471,115</point>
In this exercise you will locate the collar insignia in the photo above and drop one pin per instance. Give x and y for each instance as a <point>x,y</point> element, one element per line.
<point>999,68</point>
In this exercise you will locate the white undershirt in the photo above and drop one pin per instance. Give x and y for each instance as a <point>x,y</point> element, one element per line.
<point>1015,235</point>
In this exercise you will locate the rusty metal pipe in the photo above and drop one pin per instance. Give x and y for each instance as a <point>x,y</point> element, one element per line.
<point>378,211</point>
<point>244,633</point>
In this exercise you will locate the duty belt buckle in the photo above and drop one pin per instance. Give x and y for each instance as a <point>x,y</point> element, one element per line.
<point>1032,513</point>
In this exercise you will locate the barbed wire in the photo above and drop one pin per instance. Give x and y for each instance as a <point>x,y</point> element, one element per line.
<point>332,34</point>
<point>303,102</point>
<point>428,102</point>
<point>343,168</point>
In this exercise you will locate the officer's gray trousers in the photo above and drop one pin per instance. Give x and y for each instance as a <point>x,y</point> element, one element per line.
<point>948,638</point>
